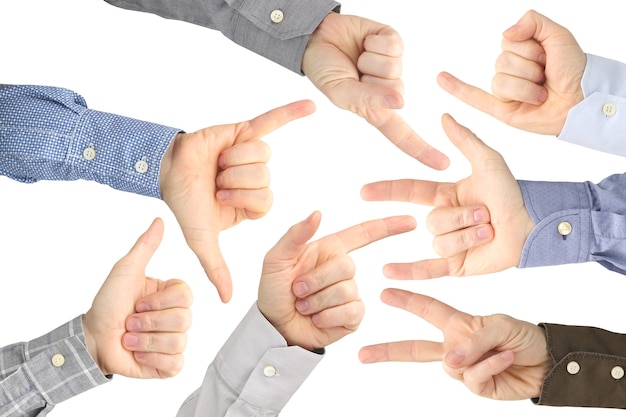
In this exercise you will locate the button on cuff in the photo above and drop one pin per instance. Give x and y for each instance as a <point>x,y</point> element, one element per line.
<point>277,16</point>
<point>141,166</point>
<point>609,109</point>
<point>58,360</point>
<point>269,371</point>
<point>89,153</point>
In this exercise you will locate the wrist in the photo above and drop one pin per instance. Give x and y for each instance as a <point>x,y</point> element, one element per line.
<point>91,342</point>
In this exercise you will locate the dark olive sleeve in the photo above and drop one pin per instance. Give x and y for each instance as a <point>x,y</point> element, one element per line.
<point>589,368</point>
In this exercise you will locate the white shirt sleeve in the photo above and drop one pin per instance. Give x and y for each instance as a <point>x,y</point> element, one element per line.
<point>255,373</point>
<point>599,121</point>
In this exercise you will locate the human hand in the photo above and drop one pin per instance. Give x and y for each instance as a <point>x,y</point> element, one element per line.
<point>216,177</point>
<point>537,79</point>
<point>307,290</point>
<point>495,356</point>
<point>137,326</point>
<point>480,223</point>
<point>357,64</point>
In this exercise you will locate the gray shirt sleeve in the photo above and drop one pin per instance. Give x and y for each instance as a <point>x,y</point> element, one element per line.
<point>255,373</point>
<point>276,29</point>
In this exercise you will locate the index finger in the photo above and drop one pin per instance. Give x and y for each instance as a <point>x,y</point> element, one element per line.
<point>394,128</point>
<point>402,351</point>
<point>405,190</point>
<point>433,311</point>
<point>467,93</point>
<point>276,118</point>
<point>365,233</point>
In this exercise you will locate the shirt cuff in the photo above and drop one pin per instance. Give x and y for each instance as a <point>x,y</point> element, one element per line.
<point>280,30</point>
<point>563,225</point>
<point>57,367</point>
<point>599,121</point>
<point>121,152</point>
<point>257,363</point>
<point>589,368</point>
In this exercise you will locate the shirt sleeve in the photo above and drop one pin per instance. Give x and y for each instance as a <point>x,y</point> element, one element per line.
<point>37,375</point>
<point>576,222</point>
<point>599,121</point>
<point>276,29</point>
<point>588,370</point>
<point>255,373</point>
<point>48,133</point>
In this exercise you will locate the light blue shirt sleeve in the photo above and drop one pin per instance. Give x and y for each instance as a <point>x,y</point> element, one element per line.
<point>595,214</point>
<point>49,133</point>
<point>255,373</point>
<point>275,29</point>
<point>599,121</point>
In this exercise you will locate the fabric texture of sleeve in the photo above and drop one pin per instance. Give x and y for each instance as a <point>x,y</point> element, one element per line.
<point>48,133</point>
<point>599,121</point>
<point>276,29</point>
<point>576,222</point>
<point>589,368</point>
<point>37,375</point>
<point>255,373</point>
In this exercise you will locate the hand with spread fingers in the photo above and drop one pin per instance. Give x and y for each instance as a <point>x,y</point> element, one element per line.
<point>357,64</point>
<point>137,326</point>
<point>216,177</point>
<point>480,223</point>
<point>495,356</point>
<point>307,290</point>
<point>537,81</point>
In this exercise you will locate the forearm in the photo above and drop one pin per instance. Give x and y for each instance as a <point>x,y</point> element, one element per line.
<point>588,370</point>
<point>576,222</point>
<point>255,373</point>
<point>251,24</point>
<point>37,375</point>
<point>49,133</point>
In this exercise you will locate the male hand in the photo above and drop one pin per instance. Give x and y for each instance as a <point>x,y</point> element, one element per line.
<point>480,223</point>
<point>537,77</point>
<point>357,64</point>
<point>216,177</point>
<point>307,290</point>
<point>137,326</point>
<point>495,356</point>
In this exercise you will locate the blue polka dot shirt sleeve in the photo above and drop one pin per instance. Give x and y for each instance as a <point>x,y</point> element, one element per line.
<point>49,133</point>
<point>576,222</point>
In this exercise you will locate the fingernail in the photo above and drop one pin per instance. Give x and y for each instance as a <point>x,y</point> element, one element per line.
<point>133,324</point>
<point>221,161</point>
<point>302,305</point>
<point>481,215</point>
<point>300,289</point>
<point>142,307</point>
<point>483,232</point>
<point>218,181</point>
<point>542,59</point>
<point>455,357</point>
<point>542,95</point>
<point>131,340</point>
<point>392,102</point>
<point>222,195</point>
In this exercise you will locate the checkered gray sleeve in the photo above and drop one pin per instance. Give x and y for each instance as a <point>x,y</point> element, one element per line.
<point>37,375</point>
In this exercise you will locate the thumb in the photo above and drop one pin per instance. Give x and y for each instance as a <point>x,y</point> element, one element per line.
<point>291,244</point>
<point>474,149</point>
<point>141,253</point>
<point>532,25</point>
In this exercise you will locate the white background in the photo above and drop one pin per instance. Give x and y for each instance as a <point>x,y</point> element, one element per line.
<point>59,240</point>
